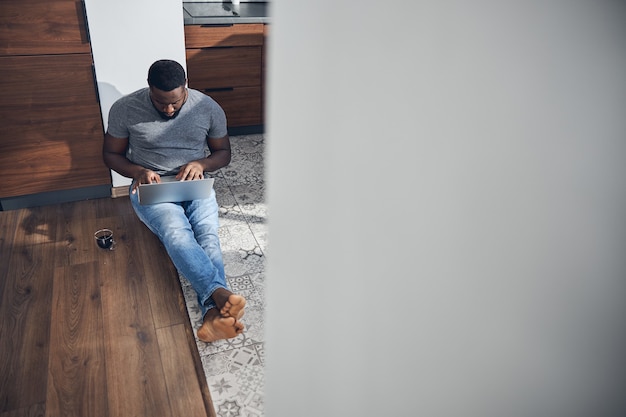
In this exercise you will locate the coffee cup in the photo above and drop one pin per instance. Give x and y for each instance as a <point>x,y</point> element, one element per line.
<point>104,239</point>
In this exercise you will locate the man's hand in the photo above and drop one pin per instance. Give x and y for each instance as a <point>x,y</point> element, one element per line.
<point>193,170</point>
<point>147,176</point>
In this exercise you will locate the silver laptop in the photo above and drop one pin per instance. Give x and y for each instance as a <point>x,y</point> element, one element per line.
<point>172,190</point>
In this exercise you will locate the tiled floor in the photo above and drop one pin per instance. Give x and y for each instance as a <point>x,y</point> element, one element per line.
<point>234,368</point>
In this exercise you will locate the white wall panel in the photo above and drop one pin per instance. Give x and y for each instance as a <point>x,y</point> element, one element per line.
<point>126,38</point>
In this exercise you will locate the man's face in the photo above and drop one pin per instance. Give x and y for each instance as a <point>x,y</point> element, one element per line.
<point>168,103</point>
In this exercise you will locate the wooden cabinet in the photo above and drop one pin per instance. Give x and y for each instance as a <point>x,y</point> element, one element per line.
<point>42,27</point>
<point>226,63</point>
<point>51,127</point>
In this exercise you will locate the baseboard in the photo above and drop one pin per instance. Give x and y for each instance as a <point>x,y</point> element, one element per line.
<point>121,191</point>
<point>55,197</point>
<point>246,130</point>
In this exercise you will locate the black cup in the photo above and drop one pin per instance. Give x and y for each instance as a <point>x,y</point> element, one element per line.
<point>104,238</point>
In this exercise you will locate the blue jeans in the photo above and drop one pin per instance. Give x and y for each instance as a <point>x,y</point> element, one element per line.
<point>188,230</point>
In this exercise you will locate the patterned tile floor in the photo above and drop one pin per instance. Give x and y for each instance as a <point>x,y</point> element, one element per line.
<point>234,368</point>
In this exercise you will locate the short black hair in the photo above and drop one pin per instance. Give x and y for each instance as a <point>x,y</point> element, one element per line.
<point>166,75</point>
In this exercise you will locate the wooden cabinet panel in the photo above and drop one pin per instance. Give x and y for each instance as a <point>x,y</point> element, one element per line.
<point>226,62</point>
<point>242,105</point>
<point>51,134</point>
<point>204,36</point>
<point>224,67</point>
<point>30,27</point>
<point>264,70</point>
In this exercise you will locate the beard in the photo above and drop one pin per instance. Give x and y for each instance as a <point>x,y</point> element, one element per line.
<point>169,117</point>
<point>165,116</point>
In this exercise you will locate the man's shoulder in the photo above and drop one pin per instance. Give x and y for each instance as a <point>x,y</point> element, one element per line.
<point>134,96</point>
<point>199,96</point>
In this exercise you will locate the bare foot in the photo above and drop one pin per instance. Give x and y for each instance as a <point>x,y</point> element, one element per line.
<point>229,304</point>
<point>215,327</point>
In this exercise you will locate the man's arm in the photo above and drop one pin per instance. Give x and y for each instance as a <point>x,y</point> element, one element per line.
<point>219,158</point>
<point>114,156</point>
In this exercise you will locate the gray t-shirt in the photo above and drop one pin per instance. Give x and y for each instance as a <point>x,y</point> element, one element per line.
<point>165,145</point>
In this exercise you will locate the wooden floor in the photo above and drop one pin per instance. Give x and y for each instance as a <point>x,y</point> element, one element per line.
<point>89,332</point>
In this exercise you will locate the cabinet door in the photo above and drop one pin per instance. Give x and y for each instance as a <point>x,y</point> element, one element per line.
<point>242,105</point>
<point>51,131</point>
<point>226,62</point>
<point>205,36</point>
<point>33,27</point>
<point>224,67</point>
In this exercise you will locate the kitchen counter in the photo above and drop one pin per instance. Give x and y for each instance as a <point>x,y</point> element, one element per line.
<point>213,13</point>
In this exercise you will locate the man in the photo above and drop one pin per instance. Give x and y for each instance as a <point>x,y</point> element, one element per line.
<point>168,129</point>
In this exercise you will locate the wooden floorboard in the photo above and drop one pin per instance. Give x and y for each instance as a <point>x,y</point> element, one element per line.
<point>179,377</point>
<point>7,235</point>
<point>25,314</point>
<point>76,373</point>
<point>92,332</point>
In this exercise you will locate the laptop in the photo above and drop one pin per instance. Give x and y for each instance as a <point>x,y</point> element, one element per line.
<point>171,190</point>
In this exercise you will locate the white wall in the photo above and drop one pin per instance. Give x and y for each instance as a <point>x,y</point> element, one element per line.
<point>126,38</point>
<point>447,194</point>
